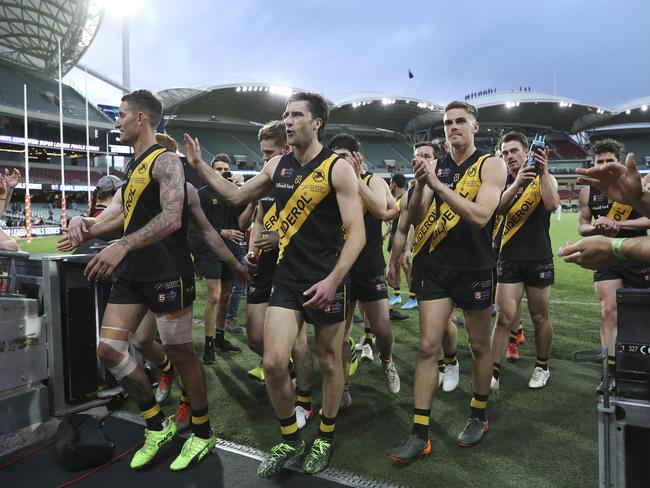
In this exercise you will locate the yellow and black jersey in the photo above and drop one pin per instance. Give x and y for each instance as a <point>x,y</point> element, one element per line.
<point>267,259</point>
<point>371,257</point>
<point>168,257</point>
<point>307,218</point>
<point>602,206</point>
<point>524,227</point>
<point>221,216</point>
<point>443,239</point>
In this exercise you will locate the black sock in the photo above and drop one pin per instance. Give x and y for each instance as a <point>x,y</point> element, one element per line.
<point>496,370</point>
<point>153,415</point>
<point>513,337</point>
<point>611,365</point>
<point>477,406</point>
<point>450,359</point>
<point>326,429</point>
<point>209,341</point>
<point>541,363</point>
<point>289,428</point>
<point>219,335</point>
<point>369,336</point>
<point>397,292</point>
<point>421,419</point>
<point>441,366</point>
<point>304,399</point>
<point>200,423</point>
<point>184,398</point>
<point>166,367</point>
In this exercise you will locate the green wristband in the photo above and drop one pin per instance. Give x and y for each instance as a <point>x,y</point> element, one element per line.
<point>616,249</point>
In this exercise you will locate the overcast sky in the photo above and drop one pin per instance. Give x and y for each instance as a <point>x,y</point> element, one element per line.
<point>599,48</point>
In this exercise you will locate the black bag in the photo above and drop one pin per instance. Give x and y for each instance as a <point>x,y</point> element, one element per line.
<point>80,442</point>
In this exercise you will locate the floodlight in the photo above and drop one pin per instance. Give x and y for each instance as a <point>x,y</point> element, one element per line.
<point>644,107</point>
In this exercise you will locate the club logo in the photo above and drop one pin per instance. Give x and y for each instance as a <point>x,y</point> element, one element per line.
<point>142,168</point>
<point>319,176</point>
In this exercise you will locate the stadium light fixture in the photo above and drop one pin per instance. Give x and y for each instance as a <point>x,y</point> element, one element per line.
<point>238,89</point>
<point>627,112</point>
<point>644,107</point>
<point>121,8</point>
<point>285,91</point>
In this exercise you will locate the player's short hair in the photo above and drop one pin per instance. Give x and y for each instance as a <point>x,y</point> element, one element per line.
<point>146,102</point>
<point>517,136</point>
<point>167,142</point>
<point>399,179</point>
<point>467,107</point>
<point>275,131</point>
<point>345,141</point>
<point>224,158</point>
<point>437,150</point>
<point>317,106</point>
<point>608,145</point>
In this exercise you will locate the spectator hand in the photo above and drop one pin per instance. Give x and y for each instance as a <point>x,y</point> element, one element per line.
<point>593,252</point>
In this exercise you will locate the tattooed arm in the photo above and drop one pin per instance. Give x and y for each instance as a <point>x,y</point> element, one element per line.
<point>168,172</point>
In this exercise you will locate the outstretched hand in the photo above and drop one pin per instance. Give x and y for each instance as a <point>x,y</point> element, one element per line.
<point>621,183</point>
<point>593,252</point>
<point>192,150</point>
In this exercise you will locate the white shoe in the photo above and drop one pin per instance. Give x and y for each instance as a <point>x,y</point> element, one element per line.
<point>441,378</point>
<point>539,378</point>
<point>303,416</point>
<point>359,345</point>
<point>391,376</point>
<point>366,353</point>
<point>494,385</point>
<point>346,401</point>
<point>452,376</point>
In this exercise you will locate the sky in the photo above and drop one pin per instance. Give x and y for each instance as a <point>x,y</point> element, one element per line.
<point>598,49</point>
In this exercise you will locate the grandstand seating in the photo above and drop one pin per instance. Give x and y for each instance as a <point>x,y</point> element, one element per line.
<point>43,94</point>
<point>638,143</point>
<point>52,175</point>
<point>568,195</point>
<point>214,141</point>
<point>564,149</point>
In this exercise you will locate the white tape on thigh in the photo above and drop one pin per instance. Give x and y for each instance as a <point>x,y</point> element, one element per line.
<point>175,331</point>
<point>128,363</point>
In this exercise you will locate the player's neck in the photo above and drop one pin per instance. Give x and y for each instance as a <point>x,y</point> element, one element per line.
<point>399,192</point>
<point>305,155</point>
<point>461,153</point>
<point>144,142</point>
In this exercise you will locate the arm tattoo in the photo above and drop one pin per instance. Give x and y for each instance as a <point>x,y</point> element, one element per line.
<point>168,172</point>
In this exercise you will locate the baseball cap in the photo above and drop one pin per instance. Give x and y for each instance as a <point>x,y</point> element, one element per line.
<point>109,183</point>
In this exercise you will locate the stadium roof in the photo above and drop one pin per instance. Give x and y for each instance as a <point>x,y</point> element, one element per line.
<point>245,102</point>
<point>30,29</point>
<point>538,110</point>
<point>633,111</point>
<point>381,111</point>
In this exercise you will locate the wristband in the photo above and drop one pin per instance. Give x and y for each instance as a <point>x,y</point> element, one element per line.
<point>616,249</point>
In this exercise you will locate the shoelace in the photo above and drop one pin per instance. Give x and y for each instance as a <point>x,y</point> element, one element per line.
<point>281,450</point>
<point>319,448</point>
<point>391,372</point>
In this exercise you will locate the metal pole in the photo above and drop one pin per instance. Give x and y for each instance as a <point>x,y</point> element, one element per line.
<point>108,163</point>
<point>63,204</point>
<point>28,199</point>
<point>87,143</point>
<point>126,68</point>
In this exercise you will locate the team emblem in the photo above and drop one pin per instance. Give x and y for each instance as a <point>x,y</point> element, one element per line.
<point>319,176</point>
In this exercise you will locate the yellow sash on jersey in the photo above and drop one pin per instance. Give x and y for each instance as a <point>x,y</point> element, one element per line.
<point>138,180</point>
<point>520,212</point>
<point>424,229</point>
<point>619,212</point>
<point>498,221</point>
<point>270,220</point>
<point>468,188</point>
<point>304,200</point>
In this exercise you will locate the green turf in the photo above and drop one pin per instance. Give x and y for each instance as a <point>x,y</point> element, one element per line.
<point>544,438</point>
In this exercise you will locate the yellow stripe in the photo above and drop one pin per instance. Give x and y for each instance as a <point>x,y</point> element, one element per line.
<point>619,212</point>
<point>289,429</point>
<point>270,219</point>
<point>521,211</point>
<point>425,229</point>
<point>498,222</point>
<point>200,420</point>
<point>304,399</point>
<point>421,419</point>
<point>152,412</point>
<point>539,361</point>
<point>477,404</point>
<point>468,187</point>
<point>302,203</point>
<point>185,398</point>
<point>138,181</point>
<point>327,427</point>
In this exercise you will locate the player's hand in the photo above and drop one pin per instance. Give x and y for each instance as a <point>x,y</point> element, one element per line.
<point>621,183</point>
<point>270,240</point>
<point>250,260</point>
<point>242,273</point>
<point>407,259</point>
<point>393,274</point>
<point>420,170</point>
<point>357,163</point>
<point>607,227</point>
<point>234,235</point>
<point>593,252</point>
<point>11,179</point>
<point>102,265</point>
<point>65,244</point>
<point>323,292</point>
<point>192,150</point>
<point>77,231</point>
<point>525,173</point>
<point>541,158</point>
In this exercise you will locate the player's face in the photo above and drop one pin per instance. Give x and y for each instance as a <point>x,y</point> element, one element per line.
<point>127,124</point>
<point>424,152</point>
<point>220,166</point>
<point>345,154</point>
<point>460,127</point>
<point>514,154</point>
<point>606,157</point>
<point>301,126</point>
<point>269,149</point>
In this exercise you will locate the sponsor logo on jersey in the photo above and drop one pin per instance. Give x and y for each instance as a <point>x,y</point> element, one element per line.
<point>286,172</point>
<point>482,295</point>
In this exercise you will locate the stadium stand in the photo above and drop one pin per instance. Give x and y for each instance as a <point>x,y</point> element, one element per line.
<point>565,149</point>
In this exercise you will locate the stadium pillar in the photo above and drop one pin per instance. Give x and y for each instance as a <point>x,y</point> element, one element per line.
<point>63,203</point>
<point>28,202</point>
<point>87,142</point>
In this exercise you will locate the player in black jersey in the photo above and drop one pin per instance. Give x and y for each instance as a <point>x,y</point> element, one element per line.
<point>153,270</point>
<point>315,194</point>
<point>367,281</point>
<point>525,256</point>
<point>455,266</point>
<point>261,259</point>
<point>611,219</point>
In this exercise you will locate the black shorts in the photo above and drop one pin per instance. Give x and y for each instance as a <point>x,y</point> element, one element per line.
<point>259,289</point>
<point>471,290</point>
<point>538,273</point>
<point>168,295</point>
<point>634,274</point>
<point>368,286</point>
<point>293,299</point>
<point>212,268</point>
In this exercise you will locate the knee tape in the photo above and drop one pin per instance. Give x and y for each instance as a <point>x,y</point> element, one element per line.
<point>176,330</point>
<point>128,363</point>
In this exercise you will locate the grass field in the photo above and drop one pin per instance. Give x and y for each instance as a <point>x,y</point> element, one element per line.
<point>544,438</point>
